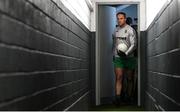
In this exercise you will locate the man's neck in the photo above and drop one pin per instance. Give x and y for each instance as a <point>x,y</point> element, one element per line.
<point>123,25</point>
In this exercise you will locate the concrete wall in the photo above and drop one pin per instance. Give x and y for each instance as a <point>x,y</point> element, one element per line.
<point>44,57</point>
<point>163,59</point>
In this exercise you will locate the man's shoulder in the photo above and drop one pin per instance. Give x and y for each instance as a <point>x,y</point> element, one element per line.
<point>116,28</point>
<point>129,27</point>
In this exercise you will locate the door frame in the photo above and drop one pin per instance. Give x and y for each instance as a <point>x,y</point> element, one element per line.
<point>98,55</point>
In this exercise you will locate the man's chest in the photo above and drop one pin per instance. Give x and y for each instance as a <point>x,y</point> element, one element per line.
<point>122,34</point>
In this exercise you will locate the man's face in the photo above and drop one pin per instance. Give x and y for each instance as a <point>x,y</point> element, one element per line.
<point>121,20</point>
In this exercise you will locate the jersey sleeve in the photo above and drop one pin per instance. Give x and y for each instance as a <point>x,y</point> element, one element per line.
<point>133,41</point>
<point>113,40</point>
<point>114,33</point>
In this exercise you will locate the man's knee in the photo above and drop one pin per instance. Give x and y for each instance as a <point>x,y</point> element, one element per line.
<point>119,77</point>
<point>119,73</point>
<point>130,74</point>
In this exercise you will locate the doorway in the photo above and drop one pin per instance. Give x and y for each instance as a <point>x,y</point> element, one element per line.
<point>105,24</point>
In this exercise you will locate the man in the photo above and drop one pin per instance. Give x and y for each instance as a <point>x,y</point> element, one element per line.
<point>123,61</point>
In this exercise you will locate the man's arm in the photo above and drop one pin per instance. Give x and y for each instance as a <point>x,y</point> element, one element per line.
<point>113,41</point>
<point>113,44</point>
<point>133,42</point>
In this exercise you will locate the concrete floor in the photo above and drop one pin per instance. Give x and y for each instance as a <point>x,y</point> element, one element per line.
<point>111,107</point>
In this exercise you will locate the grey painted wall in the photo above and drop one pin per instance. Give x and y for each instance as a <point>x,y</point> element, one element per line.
<point>44,57</point>
<point>163,59</point>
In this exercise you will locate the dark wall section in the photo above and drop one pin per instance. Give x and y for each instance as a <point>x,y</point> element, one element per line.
<point>163,59</point>
<point>143,66</point>
<point>44,57</point>
<point>93,69</point>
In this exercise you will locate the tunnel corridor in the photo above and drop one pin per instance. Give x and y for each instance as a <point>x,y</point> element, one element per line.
<point>48,57</point>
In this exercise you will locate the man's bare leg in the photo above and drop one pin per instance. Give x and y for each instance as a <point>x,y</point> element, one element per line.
<point>130,81</point>
<point>118,85</point>
<point>118,81</point>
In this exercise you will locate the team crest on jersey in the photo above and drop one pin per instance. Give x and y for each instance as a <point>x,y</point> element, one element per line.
<point>125,31</point>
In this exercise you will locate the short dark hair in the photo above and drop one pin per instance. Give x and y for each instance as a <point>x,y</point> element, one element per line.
<point>124,14</point>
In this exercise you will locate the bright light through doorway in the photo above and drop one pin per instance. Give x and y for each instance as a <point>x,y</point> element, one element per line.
<point>152,8</point>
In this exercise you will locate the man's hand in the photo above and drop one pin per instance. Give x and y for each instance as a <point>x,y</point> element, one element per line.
<point>121,54</point>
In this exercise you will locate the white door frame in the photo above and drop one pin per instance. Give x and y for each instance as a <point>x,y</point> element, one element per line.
<point>98,56</point>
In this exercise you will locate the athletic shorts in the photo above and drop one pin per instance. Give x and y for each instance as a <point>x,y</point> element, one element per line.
<point>125,62</point>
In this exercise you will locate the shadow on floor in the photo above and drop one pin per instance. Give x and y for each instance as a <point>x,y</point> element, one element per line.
<point>111,107</point>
